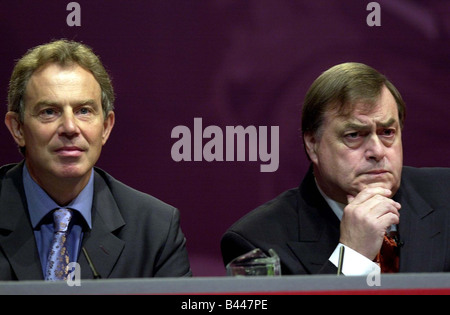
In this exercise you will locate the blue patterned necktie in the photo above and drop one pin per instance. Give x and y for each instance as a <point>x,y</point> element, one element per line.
<point>58,257</point>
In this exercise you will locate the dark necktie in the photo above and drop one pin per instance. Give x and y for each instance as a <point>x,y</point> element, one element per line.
<point>58,257</point>
<point>388,257</point>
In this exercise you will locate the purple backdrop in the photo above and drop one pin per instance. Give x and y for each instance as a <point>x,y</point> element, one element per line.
<point>235,62</point>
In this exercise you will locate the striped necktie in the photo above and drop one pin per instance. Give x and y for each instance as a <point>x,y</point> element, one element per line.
<point>58,257</point>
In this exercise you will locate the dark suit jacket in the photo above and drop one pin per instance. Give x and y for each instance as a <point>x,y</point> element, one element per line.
<point>133,234</point>
<point>301,227</point>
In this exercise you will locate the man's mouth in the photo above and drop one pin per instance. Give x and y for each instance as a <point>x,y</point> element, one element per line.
<point>376,172</point>
<point>69,151</point>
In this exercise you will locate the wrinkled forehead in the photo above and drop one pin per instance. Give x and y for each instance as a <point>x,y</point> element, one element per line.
<point>351,109</point>
<point>363,115</point>
<point>382,104</point>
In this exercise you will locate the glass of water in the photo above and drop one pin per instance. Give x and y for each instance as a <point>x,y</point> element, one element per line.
<point>255,263</point>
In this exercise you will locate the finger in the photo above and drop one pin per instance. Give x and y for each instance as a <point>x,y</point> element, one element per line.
<point>383,209</point>
<point>372,202</point>
<point>350,198</point>
<point>368,193</point>
<point>373,208</point>
<point>388,219</point>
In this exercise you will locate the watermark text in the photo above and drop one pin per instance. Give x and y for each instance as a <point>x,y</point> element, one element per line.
<point>236,143</point>
<point>374,17</point>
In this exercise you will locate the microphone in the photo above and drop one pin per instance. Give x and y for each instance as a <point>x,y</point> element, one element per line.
<point>91,264</point>
<point>341,260</point>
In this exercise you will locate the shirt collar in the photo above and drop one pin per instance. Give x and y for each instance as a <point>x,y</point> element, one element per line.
<point>40,203</point>
<point>337,207</point>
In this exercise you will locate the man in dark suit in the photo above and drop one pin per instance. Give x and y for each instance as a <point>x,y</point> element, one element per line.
<point>357,195</point>
<point>60,113</point>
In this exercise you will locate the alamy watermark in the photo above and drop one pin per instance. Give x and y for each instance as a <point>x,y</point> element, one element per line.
<point>373,279</point>
<point>74,275</point>
<point>74,17</point>
<point>235,143</point>
<point>374,17</point>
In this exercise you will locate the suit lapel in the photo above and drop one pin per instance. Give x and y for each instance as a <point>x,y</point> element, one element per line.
<point>318,228</point>
<point>17,238</point>
<point>421,233</point>
<point>422,230</point>
<point>102,245</point>
<point>314,249</point>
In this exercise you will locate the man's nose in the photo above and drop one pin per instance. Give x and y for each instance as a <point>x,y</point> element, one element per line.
<point>375,149</point>
<point>68,126</point>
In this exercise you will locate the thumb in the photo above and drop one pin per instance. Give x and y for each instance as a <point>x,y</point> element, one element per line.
<point>350,198</point>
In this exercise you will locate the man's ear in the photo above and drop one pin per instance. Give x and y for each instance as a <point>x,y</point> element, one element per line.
<point>12,121</point>
<point>108,125</point>
<point>311,145</point>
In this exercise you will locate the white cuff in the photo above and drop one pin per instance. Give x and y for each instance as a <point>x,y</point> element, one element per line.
<point>354,264</point>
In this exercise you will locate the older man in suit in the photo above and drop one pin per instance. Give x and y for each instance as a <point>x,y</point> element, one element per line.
<point>55,206</point>
<point>357,194</point>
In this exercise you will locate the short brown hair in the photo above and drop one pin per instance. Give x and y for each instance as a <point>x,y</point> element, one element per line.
<point>64,53</point>
<point>340,88</point>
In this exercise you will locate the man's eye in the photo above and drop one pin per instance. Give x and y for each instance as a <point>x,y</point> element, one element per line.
<point>352,135</point>
<point>84,111</point>
<point>388,132</point>
<point>48,112</point>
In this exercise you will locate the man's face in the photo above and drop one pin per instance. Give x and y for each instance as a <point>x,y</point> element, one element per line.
<point>64,128</point>
<point>359,150</point>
